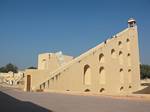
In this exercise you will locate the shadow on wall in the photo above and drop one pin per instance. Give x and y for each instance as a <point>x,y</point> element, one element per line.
<point>10,104</point>
<point>145,90</point>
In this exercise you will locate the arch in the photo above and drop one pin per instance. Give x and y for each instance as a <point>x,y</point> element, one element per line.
<point>102,75</point>
<point>40,87</point>
<point>101,90</point>
<point>121,57</point>
<point>48,83</point>
<point>129,76</point>
<point>44,85</point>
<point>87,90</point>
<point>128,54</point>
<point>56,77</point>
<point>52,80</point>
<point>129,59</point>
<point>120,53</point>
<point>87,75</point>
<point>127,40</point>
<point>129,70</point>
<point>121,75</point>
<point>101,58</point>
<point>121,70</point>
<point>128,43</point>
<point>121,88</point>
<point>120,44</point>
<point>113,54</point>
<point>130,86</point>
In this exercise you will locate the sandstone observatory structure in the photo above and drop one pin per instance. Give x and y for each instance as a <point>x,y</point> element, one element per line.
<point>111,67</point>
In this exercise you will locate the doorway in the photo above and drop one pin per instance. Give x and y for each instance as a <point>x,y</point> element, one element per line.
<point>28,82</point>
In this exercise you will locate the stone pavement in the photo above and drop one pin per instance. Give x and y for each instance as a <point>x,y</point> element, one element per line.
<point>58,102</point>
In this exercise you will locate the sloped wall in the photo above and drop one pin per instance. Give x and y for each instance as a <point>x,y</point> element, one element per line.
<point>120,67</point>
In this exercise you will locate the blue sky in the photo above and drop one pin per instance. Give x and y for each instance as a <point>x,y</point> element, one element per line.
<point>30,27</point>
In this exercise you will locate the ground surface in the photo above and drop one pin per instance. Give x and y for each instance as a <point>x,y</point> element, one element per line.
<point>12,100</point>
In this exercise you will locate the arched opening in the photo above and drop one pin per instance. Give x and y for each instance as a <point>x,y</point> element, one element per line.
<point>120,44</point>
<point>121,75</point>
<point>113,54</point>
<point>56,78</point>
<point>40,89</point>
<point>128,40</point>
<point>102,75</point>
<point>87,90</point>
<point>130,86</point>
<point>52,81</point>
<point>101,90</point>
<point>129,59</point>
<point>129,75</point>
<point>40,86</point>
<point>121,57</point>
<point>48,83</point>
<point>101,58</point>
<point>87,75</point>
<point>120,53</point>
<point>128,54</point>
<point>129,70</point>
<point>128,43</point>
<point>44,85</point>
<point>121,88</point>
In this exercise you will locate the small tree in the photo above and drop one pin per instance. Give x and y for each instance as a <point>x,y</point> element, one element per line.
<point>2,69</point>
<point>9,67</point>
<point>145,71</point>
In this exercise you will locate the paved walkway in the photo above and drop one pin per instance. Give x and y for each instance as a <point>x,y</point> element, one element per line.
<point>53,102</point>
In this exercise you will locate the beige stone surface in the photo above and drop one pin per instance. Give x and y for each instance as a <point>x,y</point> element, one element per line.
<point>111,67</point>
